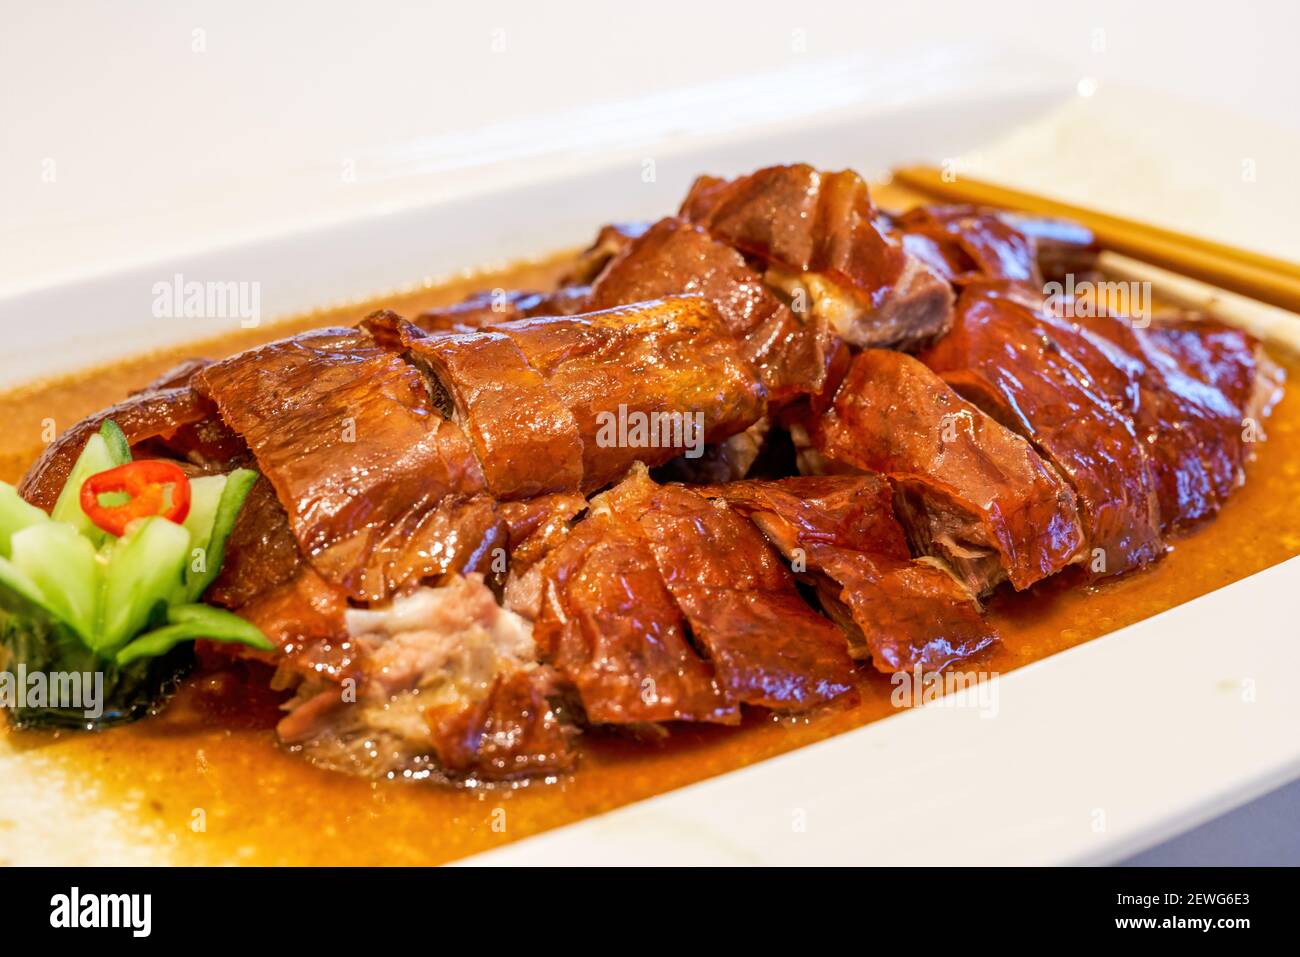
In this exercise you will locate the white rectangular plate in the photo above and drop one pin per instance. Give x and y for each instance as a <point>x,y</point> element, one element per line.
<point>1094,753</point>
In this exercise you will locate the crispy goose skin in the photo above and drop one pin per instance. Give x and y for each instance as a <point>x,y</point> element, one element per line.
<point>962,241</point>
<point>1040,379</point>
<point>840,530</point>
<point>303,617</point>
<point>1232,361</point>
<point>669,363</point>
<point>818,235</point>
<point>1190,428</point>
<point>261,552</point>
<point>347,433</point>
<point>674,257</point>
<point>490,308</point>
<point>527,441</point>
<point>610,626</point>
<point>143,417</point>
<point>767,646</point>
<point>554,403</point>
<point>970,491</point>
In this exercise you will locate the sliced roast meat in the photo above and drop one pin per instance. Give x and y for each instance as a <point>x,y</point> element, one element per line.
<point>959,242</point>
<point>675,257</point>
<point>446,681</point>
<point>143,417</point>
<point>1064,248</point>
<point>610,241</point>
<point>610,626</point>
<point>818,237</point>
<point>767,646</point>
<point>347,433</point>
<point>516,729</point>
<point>502,305</point>
<point>527,441</point>
<point>724,461</point>
<point>261,552</point>
<point>1230,360</point>
<point>646,383</point>
<point>840,533</point>
<point>1045,381</point>
<point>303,617</point>
<point>1192,431</point>
<point>969,491</point>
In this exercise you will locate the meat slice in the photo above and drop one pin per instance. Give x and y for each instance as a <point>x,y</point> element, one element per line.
<point>970,491</point>
<point>817,234</point>
<point>840,533</point>
<point>767,646</point>
<point>610,241</point>
<point>347,433</point>
<point>609,625</point>
<point>959,242</point>
<point>645,383</point>
<point>303,617</point>
<point>143,417</point>
<point>502,305</point>
<point>1192,431</point>
<point>527,441</point>
<point>1230,360</point>
<point>674,257</point>
<point>261,552</point>
<point>445,681</point>
<point>515,730</point>
<point>1054,387</point>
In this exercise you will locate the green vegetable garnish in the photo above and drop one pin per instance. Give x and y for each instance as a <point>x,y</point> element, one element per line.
<point>75,598</point>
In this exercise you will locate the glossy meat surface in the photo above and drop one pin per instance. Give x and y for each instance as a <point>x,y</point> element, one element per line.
<point>960,242</point>
<point>494,306</point>
<point>767,646</point>
<point>526,440</point>
<point>1191,430</point>
<point>1051,385</point>
<point>143,417</point>
<point>674,257</point>
<point>819,237</point>
<point>645,383</point>
<point>513,731</point>
<point>347,433</point>
<point>609,625</point>
<point>841,533</point>
<point>970,491</point>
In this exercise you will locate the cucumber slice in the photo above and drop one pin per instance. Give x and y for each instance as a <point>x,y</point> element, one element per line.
<point>215,502</point>
<point>96,457</point>
<point>17,590</point>
<point>190,622</point>
<point>62,565</point>
<point>144,570</point>
<point>15,515</point>
<point>118,447</point>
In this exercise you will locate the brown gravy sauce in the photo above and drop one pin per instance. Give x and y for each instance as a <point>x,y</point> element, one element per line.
<point>212,748</point>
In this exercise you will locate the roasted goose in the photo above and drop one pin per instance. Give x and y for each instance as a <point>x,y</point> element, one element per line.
<point>739,453</point>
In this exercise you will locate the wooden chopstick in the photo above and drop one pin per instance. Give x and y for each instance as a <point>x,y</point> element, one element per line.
<point>1267,323</point>
<point>1252,274</point>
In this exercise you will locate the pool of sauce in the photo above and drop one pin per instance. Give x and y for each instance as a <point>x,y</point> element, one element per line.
<point>207,778</point>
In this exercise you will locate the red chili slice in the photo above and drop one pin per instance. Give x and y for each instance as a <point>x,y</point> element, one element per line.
<point>144,482</point>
